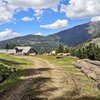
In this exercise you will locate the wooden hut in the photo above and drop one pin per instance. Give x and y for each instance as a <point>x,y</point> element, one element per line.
<point>25,50</point>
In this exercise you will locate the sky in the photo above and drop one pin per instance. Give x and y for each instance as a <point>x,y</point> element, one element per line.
<point>44,17</point>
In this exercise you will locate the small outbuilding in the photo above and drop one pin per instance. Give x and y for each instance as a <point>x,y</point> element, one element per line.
<point>7,51</point>
<point>3,51</point>
<point>11,51</point>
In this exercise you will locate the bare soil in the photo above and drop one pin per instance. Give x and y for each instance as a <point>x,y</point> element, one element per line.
<point>50,82</point>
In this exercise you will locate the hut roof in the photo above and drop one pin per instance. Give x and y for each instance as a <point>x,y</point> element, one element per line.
<point>25,49</point>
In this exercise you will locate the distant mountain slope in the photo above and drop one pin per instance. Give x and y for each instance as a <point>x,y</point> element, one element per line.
<point>71,37</point>
<point>94,30</point>
<point>43,43</point>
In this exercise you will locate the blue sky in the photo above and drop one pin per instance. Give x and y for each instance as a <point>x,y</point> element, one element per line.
<point>44,17</point>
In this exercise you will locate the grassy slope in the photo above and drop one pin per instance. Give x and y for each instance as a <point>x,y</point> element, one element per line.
<point>18,63</point>
<point>88,86</point>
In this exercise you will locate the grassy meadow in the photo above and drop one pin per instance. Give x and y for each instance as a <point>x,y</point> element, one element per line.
<point>87,85</point>
<point>19,64</point>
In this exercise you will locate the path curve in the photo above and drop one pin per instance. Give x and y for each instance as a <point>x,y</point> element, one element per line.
<point>52,83</point>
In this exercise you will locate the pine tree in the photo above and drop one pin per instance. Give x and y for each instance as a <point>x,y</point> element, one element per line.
<point>60,48</point>
<point>66,49</point>
<point>91,51</point>
<point>7,46</point>
<point>10,45</point>
<point>97,53</point>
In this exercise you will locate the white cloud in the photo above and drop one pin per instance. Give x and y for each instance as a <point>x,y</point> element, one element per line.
<point>96,18</point>
<point>81,8</point>
<point>27,19</point>
<point>57,24</point>
<point>38,13</point>
<point>6,14</point>
<point>39,33</point>
<point>8,34</point>
<point>35,4</point>
<point>10,7</point>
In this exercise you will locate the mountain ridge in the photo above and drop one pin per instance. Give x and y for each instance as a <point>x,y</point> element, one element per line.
<point>71,37</point>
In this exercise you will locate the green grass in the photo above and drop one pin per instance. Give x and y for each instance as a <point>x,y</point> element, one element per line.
<point>66,63</point>
<point>14,61</point>
<point>20,64</point>
<point>88,86</point>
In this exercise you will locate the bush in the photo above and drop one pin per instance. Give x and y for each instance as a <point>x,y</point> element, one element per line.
<point>5,72</point>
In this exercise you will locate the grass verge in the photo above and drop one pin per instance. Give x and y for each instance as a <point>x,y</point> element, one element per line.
<point>20,64</point>
<point>88,86</point>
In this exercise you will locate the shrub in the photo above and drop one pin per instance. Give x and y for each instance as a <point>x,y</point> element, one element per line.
<point>5,72</point>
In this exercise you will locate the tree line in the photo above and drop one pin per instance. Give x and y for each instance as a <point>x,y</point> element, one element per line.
<point>10,45</point>
<point>91,51</point>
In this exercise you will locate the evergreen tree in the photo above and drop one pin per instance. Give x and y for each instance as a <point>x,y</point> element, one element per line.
<point>60,48</point>
<point>97,53</point>
<point>79,53</point>
<point>7,46</point>
<point>73,51</point>
<point>91,51</point>
<point>66,49</point>
<point>10,45</point>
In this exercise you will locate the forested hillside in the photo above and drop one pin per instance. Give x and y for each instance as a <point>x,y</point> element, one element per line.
<point>71,37</point>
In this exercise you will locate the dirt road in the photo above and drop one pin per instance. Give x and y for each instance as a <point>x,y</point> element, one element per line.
<point>50,82</point>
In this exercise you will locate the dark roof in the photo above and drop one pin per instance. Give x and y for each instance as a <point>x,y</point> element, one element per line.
<point>25,49</point>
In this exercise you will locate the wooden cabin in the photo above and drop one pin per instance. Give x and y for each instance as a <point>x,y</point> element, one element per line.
<point>25,50</point>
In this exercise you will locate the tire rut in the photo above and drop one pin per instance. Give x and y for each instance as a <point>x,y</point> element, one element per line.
<point>50,81</point>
